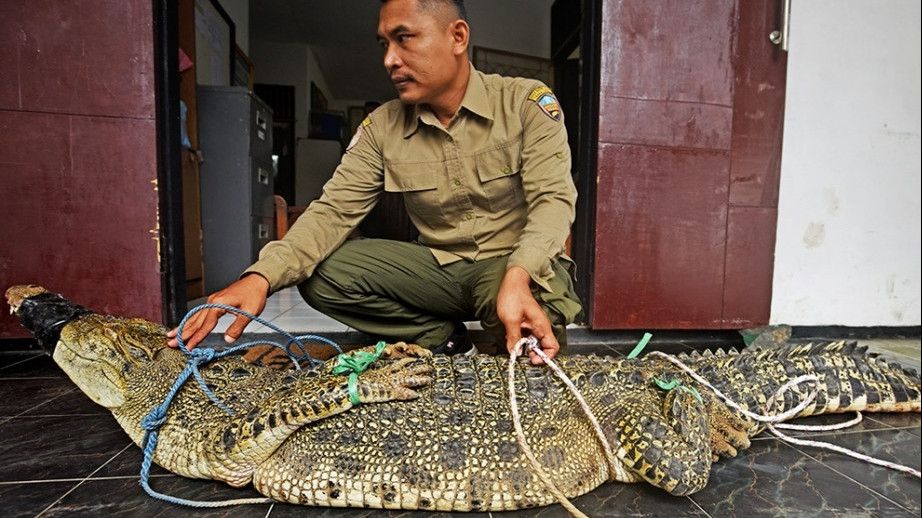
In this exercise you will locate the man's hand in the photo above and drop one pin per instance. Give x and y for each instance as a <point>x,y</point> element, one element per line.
<point>249,294</point>
<point>517,309</point>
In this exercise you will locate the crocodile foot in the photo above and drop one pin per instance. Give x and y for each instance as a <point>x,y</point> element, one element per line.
<point>394,380</point>
<point>729,430</point>
<point>404,350</point>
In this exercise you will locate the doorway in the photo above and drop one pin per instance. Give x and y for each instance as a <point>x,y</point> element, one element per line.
<point>321,79</point>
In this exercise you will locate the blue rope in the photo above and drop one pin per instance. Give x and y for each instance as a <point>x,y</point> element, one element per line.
<point>152,422</point>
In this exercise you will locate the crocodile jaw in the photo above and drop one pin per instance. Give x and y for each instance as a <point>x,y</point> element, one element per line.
<point>15,295</point>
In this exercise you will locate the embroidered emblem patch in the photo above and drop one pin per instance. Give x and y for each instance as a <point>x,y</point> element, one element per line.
<point>358,133</point>
<point>546,100</point>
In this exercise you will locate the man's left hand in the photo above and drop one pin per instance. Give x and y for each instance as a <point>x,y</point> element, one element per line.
<point>518,310</point>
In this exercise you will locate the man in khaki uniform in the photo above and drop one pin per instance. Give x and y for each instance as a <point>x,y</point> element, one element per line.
<point>483,165</point>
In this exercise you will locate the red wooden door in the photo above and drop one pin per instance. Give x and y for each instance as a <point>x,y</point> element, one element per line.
<point>690,125</point>
<point>78,162</point>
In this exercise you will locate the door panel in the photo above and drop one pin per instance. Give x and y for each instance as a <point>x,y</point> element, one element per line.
<point>661,214</point>
<point>78,157</point>
<point>668,50</point>
<point>750,254</point>
<point>665,123</point>
<point>758,108</point>
<point>690,111</point>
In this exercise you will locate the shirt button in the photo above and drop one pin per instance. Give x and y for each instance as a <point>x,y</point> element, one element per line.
<point>468,216</point>
<point>507,170</point>
<point>457,182</point>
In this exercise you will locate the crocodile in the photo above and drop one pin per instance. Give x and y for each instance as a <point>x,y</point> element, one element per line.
<point>435,432</point>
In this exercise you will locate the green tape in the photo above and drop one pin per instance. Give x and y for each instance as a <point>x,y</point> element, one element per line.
<point>676,384</point>
<point>355,364</point>
<point>666,385</point>
<point>354,389</point>
<point>640,345</point>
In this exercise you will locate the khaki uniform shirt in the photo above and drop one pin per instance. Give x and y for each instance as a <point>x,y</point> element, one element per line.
<point>496,181</point>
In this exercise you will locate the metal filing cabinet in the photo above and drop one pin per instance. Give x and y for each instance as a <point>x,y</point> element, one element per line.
<point>235,136</point>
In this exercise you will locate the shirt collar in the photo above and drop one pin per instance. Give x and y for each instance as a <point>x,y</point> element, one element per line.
<point>475,101</point>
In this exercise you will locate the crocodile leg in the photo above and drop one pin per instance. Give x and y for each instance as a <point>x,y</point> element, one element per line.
<point>729,431</point>
<point>664,440</point>
<point>248,440</point>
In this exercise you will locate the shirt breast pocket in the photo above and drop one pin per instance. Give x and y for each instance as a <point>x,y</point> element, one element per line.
<point>499,171</point>
<point>419,185</point>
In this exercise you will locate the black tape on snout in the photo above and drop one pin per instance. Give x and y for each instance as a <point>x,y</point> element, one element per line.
<point>46,314</point>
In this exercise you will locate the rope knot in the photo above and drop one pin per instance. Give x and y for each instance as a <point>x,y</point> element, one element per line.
<point>355,364</point>
<point>154,420</point>
<point>202,355</point>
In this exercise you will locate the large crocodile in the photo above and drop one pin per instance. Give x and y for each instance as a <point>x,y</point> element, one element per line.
<point>435,432</point>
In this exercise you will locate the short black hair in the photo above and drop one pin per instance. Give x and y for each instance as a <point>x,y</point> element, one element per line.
<point>429,5</point>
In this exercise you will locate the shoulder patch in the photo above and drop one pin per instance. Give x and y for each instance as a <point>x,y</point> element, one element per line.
<point>545,99</point>
<point>358,133</point>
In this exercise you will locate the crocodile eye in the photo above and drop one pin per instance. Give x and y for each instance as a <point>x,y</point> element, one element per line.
<point>137,353</point>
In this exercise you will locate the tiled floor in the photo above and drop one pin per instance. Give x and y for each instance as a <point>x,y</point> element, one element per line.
<point>287,310</point>
<point>61,455</point>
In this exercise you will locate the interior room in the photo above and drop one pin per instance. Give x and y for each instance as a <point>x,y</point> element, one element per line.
<point>746,178</point>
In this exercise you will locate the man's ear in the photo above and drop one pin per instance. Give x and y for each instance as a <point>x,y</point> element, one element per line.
<point>461,35</point>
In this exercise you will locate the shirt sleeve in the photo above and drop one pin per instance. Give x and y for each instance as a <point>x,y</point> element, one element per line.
<point>548,186</point>
<point>347,198</point>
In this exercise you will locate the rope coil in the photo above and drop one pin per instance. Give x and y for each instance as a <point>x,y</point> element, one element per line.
<point>155,419</point>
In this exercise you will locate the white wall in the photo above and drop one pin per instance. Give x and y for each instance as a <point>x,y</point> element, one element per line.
<point>239,11</point>
<point>848,240</point>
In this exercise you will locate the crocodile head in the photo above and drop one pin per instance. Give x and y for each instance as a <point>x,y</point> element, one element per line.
<point>16,295</point>
<point>97,352</point>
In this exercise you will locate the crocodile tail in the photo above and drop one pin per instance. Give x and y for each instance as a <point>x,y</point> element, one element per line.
<point>849,378</point>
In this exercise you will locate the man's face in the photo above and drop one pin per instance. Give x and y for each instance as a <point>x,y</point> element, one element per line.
<point>419,51</point>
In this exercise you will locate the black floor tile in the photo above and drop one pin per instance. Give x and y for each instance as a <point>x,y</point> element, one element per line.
<point>33,366</point>
<point>600,349</point>
<point>773,479</point>
<point>889,445</point>
<point>869,422</point>
<point>20,500</point>
<point>618,499</point>
<point>128,463</point>
<point>908,422</point>
<point>125,497</point>
<point>22,394</point>
<point>57,447</point>
<point>8,358</point>
<point>280,510</point>
<point>72,403</point>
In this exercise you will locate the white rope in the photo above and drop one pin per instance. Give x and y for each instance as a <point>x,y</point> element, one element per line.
<point>520,435</point>
<point>773,422</point>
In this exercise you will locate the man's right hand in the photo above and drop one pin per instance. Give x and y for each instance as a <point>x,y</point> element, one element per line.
<point>249,294</point>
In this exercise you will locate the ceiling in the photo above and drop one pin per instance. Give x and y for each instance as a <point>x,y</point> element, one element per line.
<point>341,35</point>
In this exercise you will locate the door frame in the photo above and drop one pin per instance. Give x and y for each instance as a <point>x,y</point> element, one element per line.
<point>169,157</point>
<point>169,161</point>
<point>584,228</point>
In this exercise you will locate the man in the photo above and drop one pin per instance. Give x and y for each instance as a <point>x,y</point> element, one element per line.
<point>483,165</point>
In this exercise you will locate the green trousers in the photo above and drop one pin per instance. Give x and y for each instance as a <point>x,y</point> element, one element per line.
<point>395,291</point>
